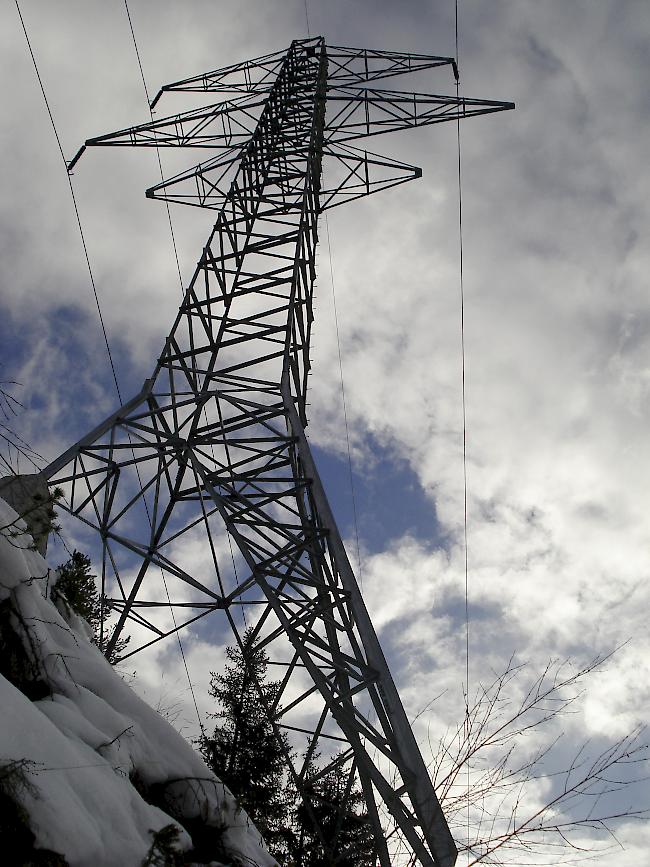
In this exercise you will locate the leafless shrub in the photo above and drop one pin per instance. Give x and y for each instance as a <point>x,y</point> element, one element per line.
<point>509,792</point>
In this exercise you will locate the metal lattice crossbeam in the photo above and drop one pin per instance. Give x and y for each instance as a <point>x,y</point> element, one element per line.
<point>213,448</point>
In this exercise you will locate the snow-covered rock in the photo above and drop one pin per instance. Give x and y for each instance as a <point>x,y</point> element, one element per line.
<point>106,771</point>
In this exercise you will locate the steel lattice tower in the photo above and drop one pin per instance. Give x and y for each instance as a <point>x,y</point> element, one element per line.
<point>213,447</point>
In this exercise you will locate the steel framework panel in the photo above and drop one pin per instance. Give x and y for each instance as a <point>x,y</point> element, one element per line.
<point>213,449</point>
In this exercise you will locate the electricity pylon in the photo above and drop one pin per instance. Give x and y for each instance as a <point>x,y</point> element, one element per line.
<point>213,448</point>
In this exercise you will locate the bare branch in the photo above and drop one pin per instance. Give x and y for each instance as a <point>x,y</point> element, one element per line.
<point>518,803</point>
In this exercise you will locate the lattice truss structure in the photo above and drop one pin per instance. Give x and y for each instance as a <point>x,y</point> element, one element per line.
<point>205,480</point>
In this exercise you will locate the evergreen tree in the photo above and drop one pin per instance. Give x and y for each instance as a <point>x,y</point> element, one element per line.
<point>244,750</point>
<point>337,805</point>
<point>77,585</point>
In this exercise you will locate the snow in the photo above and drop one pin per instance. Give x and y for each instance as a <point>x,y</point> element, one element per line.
<point>92,734</point>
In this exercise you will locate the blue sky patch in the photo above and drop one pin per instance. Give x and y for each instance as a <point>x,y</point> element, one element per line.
<point>390,502</point>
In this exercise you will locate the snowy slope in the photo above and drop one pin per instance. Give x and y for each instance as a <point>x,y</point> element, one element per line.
<point>102,757</point>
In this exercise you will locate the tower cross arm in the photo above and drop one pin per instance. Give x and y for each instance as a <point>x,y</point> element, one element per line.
<point>218,125</point>
<point>353,173</point>
<point>252,76</point>
<point>358,112</point>
<point>348,66</point>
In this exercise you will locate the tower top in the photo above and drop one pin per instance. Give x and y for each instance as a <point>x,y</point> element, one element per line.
<point>355,108</point>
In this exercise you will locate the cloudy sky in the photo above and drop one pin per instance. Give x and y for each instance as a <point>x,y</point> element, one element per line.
<point>555,203</point>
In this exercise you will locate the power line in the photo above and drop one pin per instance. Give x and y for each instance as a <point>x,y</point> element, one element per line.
<point>162,178</point>
<point>178,267</point>
<point>92,279</point>
<point>74,202</point>
<point>463,399</point>
<point>462,345</point>
<point>345,411</point>
<point>307,18</point>
<point>81,231</point>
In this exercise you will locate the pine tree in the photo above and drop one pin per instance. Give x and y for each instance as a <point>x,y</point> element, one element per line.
<point>244,751</point>
<point>336,803</point>
<point>77,585</point>
<point>163,851</point>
